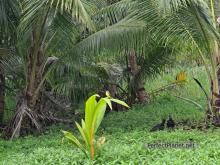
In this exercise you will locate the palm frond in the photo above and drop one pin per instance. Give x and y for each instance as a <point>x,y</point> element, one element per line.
<point>36,12</point>
<point>117,37</point>
<point>9,11</point>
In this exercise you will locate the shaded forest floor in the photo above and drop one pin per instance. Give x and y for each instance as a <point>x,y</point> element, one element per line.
<point>128,135</point>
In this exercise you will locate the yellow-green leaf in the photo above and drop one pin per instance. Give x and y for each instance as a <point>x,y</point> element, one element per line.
<point>99,114</point>
<point>89,111</point>
<point>108,101</point>
<point>74,140</point>
<point>83,134</point>
<point>120,102</point>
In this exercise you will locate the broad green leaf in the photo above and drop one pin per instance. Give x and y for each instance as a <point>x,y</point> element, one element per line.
<point>94,114</point>
<point>83,134</point>
<point>89,111</point>
<point>108,101</point>
<point>74,140</point>
<point>85,131</point>
<point>120,102</point>
<point>99,114</point>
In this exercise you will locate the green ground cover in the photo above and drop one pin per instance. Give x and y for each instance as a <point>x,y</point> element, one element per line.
<point>127,133</point>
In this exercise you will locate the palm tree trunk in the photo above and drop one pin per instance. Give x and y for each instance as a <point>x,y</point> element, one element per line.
<point>34,78</point>
<point>2,96</point>
<point>137,84</point>
<point>215,91</point>
<point>26,115</point>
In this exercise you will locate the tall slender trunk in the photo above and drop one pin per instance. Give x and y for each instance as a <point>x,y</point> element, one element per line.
<point>34,78</point>
<point>25,119</point>
<point>137,84</point>
<point>215,93</point>
<point>2,96</point>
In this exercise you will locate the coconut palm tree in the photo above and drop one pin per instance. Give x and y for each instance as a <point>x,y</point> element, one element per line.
<point>190,23</point>
<point>120,31</point>
<point>40,22</point>
<point>66,35</point>
<point>43,26</point>
<point>187,23</point>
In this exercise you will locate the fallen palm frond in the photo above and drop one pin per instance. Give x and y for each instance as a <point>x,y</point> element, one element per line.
<point>180,79</point>
<point>210,110</point>
<point>190,101</point>
<point>203,89</point>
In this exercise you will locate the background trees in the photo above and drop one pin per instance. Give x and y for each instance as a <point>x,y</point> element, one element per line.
<point>9,20</point>
<point>192,22</point>
<point>68,48</point>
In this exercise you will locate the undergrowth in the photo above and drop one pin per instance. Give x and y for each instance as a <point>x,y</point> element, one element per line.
<point>127,133</point>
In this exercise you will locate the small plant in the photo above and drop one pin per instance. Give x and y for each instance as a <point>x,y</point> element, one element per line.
<point>94,113</point>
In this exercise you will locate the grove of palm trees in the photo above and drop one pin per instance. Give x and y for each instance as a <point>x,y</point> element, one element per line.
<point>109,82</point>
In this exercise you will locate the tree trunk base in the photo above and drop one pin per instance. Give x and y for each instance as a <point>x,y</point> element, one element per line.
<point>213,118</point>
<point>137,86</point>
<point>47,111</point>
<point>24,121</point>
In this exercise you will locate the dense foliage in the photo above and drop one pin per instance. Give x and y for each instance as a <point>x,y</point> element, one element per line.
<point>126,138</point>
<point>54,54</point>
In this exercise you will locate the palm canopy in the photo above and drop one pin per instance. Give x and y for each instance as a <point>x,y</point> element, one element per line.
<point>186,22</point>
<point>78,32</point>
<point>75,29</point>
<point>178,24</point>
<point>121,28</point>
<point>9,11</point>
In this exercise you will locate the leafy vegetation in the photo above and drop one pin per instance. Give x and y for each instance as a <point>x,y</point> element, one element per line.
<point>120,148</point>
<point>160,57</point>
<point>125,139</point>
<point>94,113</point>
